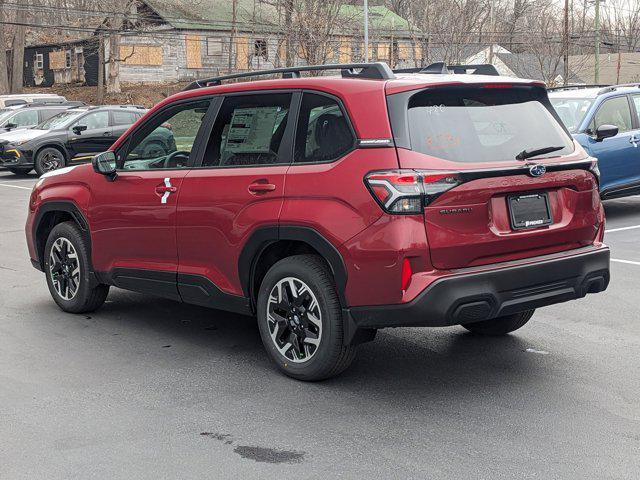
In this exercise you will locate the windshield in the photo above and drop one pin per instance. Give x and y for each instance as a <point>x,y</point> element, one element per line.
<point>477,124</point>
<point>571,110</point>
<point>60,120</point>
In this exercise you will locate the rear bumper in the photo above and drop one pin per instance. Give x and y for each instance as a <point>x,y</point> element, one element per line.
<point>474,295</point>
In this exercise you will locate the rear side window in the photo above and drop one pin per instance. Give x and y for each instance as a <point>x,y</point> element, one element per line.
<point>124,118</point>
<point>614,111</point>
<point>479,124</point>
<point>248,131</point>
<point>323,133</point>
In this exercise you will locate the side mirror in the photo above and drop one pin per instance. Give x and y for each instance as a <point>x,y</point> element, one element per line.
<point>9,126</point>
<point>78,129</point>
<point>606,131</point>
<point>105,164</point>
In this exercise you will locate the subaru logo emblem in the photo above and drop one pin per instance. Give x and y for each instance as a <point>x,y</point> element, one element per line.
<point>537,170</point>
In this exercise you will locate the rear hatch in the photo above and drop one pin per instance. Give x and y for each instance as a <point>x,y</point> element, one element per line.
<point>501,178</point>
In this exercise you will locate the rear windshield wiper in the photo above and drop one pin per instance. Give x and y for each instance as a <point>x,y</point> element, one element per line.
<point>524,154</point>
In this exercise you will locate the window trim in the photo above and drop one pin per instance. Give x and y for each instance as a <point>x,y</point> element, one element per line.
<point>196,151</point>
<point>605,100</point>
<point>343,109</point>
<point>288,139</point>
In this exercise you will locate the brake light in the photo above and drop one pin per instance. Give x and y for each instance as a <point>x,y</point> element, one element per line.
<point>497,85</point>
<point>407,191</point>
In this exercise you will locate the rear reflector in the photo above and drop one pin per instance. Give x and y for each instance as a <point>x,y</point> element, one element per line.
<point>406,274</point>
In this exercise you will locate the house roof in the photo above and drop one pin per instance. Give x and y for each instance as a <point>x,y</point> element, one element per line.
<point>261,16</point>
<point>629,67</point>
<point>536,67</point>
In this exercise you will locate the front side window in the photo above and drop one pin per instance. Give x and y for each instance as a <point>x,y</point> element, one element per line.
<point>248,131</point>
<point>478,124</point>
<point>323,132</point>
<point>24,119</point>
<point>167,142</point>
<point>94,120</point>
<point>571,110</point>
<point>614,111</point>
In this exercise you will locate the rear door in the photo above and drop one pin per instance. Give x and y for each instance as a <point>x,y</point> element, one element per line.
<point>482,204</point>
<point>133,218</point>
<point>237,188</point>
<point>619,156</point>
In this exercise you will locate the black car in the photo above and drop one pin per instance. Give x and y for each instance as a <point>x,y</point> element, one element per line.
<point>74,135</point>
<point>29,115</point>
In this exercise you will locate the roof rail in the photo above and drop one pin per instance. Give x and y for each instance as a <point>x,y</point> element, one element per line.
<point>613,88</point>
<point>377,71</point>
<point>444,69</point>
<point>574,87</point>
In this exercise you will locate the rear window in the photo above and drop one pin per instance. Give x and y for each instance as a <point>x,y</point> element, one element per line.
<point>481,124</point>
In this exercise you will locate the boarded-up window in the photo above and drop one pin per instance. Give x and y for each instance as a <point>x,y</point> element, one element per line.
<point>242,53</point>
<point>57,60</point>
<point>404,51</point>
<point>214,46</point>
<point>194,53</point>
<point>384,49</point>
<point>345,50</point>
<point>141,54</point>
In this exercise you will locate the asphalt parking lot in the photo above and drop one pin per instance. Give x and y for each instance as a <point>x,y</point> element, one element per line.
<point>149,388</point>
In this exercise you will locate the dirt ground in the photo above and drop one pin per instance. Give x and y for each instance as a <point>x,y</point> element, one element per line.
<point>145,95</point>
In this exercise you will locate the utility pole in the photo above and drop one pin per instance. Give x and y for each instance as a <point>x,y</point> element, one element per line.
<point>596,76</point>
<point>232,38</point>
<point>566,43</point>
<point>366,31</point>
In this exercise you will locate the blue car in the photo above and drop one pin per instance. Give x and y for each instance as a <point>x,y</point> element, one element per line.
<point>605,120</point>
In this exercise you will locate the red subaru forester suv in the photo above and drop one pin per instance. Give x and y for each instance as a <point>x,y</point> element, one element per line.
<point>330,207</point>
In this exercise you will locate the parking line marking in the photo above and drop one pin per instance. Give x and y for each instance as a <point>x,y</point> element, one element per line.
<point>622,229</point>
<point>15,186</point>
<point>629,262</point>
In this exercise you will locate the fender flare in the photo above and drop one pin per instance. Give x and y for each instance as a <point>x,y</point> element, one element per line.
<point>67,206</point>
<point>265,236</point>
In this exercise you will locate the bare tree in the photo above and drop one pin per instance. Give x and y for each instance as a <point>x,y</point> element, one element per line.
<point>17,50</point>
<point>4,80</point>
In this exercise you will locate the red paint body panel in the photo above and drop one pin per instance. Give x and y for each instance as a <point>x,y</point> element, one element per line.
<point>130,227</point>
<point>216,216</point>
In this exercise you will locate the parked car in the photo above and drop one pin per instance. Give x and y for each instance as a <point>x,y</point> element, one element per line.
<point>606,122</point>
<point>22,98</point>
<point>331,207</point>
<point>29,115</point>
<point>72,136</point>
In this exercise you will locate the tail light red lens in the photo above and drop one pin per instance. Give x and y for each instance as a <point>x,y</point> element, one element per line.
<point>407,191</point>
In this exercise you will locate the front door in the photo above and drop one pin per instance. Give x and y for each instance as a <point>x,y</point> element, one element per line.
<point>617,156</point>
<point>133,218</point>
<point>237,188</point>
<point>89,135</point>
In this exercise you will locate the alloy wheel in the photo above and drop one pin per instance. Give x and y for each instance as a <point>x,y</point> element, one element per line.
<point>294,320</point>
<point>64,268</point>
<point>51,160</point>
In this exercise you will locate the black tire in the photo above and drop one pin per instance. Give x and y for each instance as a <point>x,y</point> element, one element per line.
<point>49,159</point>
<point>330,357</point>
<point>20,171</point>
<point>87,297</point>
<point>500,325</point>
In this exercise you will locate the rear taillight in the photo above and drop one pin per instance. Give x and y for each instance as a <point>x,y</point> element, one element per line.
<point>408,191</point>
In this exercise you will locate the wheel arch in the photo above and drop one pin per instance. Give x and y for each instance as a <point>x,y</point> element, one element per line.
<point>281,242</point>
<point>51,214</point>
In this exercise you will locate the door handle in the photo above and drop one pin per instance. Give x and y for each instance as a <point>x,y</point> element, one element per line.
<point>106,134</point>
<point>258,187</point>
<point>165,189</point>
<point>634,139</point>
